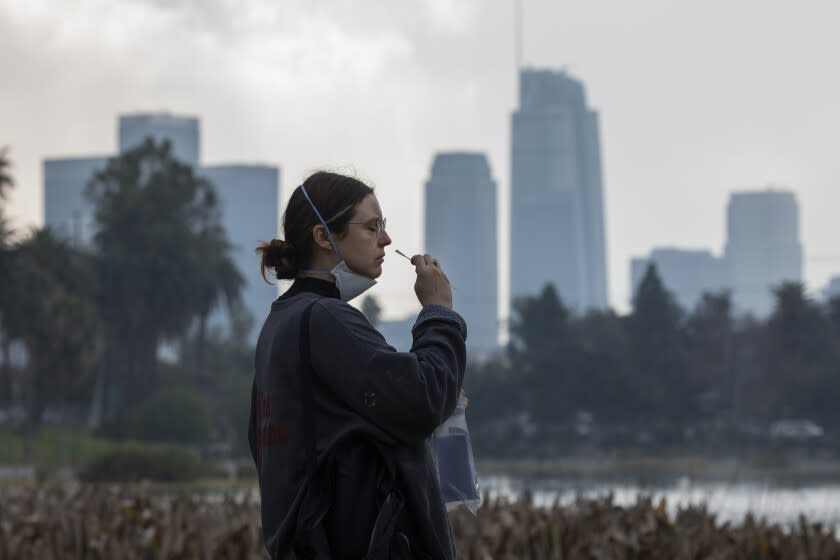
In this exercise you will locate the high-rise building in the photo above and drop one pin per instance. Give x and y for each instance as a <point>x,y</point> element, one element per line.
<point>461,234</point>
<point>66,210</point>
<point>557,208</point>
<point>182,132</point>
<point>763,248</point>
<point>248,196</point>
<point>686,273</point>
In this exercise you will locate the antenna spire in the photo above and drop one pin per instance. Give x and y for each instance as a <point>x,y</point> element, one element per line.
<point>517,34</point>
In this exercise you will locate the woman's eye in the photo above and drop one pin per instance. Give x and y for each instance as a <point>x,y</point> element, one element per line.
<point>373,229</point>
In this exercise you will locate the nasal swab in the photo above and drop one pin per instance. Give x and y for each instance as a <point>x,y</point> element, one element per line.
<point>409,260</point>
<point>403,254</point>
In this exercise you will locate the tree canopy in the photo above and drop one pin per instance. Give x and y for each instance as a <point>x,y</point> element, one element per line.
<point>50,309</point>
<point>162,258</point>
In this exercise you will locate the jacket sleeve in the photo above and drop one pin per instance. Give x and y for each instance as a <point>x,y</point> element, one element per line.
<point>405,394</point>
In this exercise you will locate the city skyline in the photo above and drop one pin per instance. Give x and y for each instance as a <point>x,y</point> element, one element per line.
<point>762,251</point>
<point>388,91</point>
<point>461,232</point>
<point>557,214</point>
<point>763,246</point>
<point>686,273</point>
<point>247,201</point>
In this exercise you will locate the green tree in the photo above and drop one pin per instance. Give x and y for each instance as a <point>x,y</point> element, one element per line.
<point>371,309</point>
<point>656,354</point>
<point>176,415</point>
<point>710,340</point>
<point>833,311</point>
<point>221,282</point>
<point>225,385</point>
<point>542,351</point>
<point>6,184</point>
<point>604,386</point>
<point>496,402</point>
<point>52,311</point>
<point>797,328</point>
<point>160,247</point>
<point>799,373</point>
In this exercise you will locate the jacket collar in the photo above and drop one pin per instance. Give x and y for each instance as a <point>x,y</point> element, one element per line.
<point>323,288</point>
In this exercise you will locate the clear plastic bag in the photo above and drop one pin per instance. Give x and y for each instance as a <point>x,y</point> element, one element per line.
<point>454,461</point>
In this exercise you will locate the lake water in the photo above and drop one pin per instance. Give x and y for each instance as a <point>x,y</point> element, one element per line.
<point>728,501</point>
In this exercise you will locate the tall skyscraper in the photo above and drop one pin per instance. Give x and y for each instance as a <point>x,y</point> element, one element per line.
<point>66,210</point>
<point>557,209</point>
<point>461,234</point>
<point>763,248</point>
<point>686,273</point>
<point>248,195</point>
<point>183,133</point>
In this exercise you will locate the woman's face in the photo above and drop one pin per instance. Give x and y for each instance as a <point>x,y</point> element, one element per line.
<point>361,247</point>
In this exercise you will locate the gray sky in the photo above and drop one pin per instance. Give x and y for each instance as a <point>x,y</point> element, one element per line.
<point>696,99</point>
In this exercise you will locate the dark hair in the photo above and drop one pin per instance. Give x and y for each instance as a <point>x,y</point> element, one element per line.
<point>335,196</point>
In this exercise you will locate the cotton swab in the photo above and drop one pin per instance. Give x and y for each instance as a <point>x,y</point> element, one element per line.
<point>403,254</point>
<point>409,260</point>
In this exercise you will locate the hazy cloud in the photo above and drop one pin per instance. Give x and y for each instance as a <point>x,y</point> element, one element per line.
<point>696,99</point>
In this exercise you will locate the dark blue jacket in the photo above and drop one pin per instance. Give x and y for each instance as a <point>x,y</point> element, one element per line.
<point>374,410</point>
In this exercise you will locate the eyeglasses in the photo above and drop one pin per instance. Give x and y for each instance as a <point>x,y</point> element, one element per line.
<point>378,223</point>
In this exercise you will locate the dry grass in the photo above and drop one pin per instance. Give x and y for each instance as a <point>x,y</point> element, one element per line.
<point>72,521</point>
<point>599,529</point>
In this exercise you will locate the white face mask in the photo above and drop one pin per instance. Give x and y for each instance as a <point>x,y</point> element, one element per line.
<point>350,284</point>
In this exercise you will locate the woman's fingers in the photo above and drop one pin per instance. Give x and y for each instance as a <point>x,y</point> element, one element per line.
<point>432,285</point>
<point>426,259</point>
<point>418,261</point>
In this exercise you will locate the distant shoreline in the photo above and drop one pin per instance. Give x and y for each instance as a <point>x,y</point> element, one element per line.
<point>657,470</point>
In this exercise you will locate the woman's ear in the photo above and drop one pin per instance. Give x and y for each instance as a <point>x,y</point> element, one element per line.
<point>322,240</point>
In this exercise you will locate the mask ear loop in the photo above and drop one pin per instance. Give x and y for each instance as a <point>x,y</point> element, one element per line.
<point>326,227</point>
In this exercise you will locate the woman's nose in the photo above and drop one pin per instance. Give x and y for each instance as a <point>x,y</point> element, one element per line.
<point>384,239</point>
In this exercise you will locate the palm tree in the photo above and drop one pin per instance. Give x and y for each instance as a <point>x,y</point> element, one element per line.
<point>6,183</point>
<point>51,310</point>
<point>221,282</point>
<point>162,259</point>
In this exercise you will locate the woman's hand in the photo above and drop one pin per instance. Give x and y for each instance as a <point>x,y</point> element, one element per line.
<point>432,286</point>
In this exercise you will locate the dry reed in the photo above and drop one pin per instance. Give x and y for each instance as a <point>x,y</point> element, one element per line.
<point>74,521</point>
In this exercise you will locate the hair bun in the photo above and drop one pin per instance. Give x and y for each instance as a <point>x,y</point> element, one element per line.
<point>278,251</point>
<point>281,256</point>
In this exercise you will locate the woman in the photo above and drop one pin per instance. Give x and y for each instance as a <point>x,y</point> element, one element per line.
<point>339,419</point>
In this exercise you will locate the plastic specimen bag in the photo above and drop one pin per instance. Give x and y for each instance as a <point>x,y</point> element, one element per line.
<point>455,463</point>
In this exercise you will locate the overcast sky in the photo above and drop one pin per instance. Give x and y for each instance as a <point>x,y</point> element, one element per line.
<point>696,99</point>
